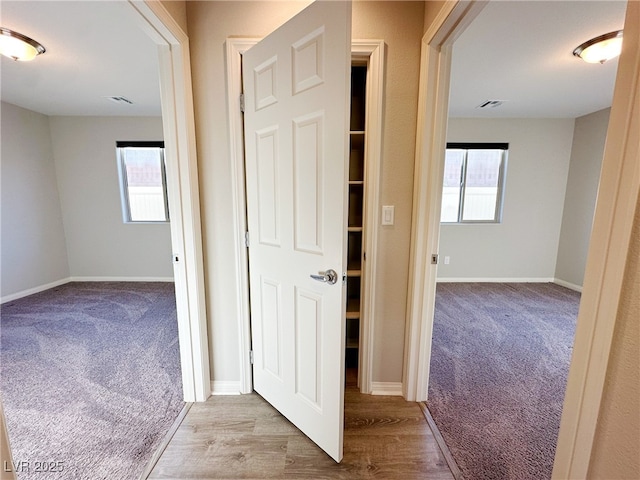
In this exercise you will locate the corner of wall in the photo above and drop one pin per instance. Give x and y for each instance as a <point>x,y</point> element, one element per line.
<point>34,253</point>
<point>178,10</point>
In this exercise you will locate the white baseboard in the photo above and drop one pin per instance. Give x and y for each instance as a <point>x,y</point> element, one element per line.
<point>495,280</point>
<point>31,291</point>
<point>386,388</point>
<point>42,288</point>
<point>562,283</point>
<point>569,285</point>
<point>221,387</point>
<point>121,279</point>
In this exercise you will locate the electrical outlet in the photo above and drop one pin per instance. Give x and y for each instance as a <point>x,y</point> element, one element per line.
<point>447,260</point>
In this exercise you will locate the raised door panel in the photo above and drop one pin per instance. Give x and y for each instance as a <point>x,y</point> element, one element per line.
<point>296,122</point>
<point>308,139</point>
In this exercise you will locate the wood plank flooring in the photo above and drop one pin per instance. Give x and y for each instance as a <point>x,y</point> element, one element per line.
<point>244,437</point>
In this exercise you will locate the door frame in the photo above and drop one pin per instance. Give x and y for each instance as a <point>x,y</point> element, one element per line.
<point>609,244</point>
<point>184,201</point>
<point>374,50</point>
<point>433,104</point>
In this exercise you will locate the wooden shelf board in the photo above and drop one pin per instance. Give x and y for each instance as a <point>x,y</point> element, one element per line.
<point>354,273</point>
<point>353,304</point>
<point>353,315</point>
<point>354,265</point>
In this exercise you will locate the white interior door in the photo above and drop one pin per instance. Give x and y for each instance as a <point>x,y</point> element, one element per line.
<point>296,84</point>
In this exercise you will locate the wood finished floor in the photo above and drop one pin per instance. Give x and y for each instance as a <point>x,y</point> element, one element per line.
<point>244,437</point>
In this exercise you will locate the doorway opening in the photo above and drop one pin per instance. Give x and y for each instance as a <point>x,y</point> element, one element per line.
<point>367,54</point>
<point>594,329</point>
<point>177,135</point>
<point>500,319</point>
<point>356,255</point>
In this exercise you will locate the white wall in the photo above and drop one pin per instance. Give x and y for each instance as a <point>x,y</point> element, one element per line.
<point>580,200</point>
<point>33,248</point>
<point>400,25</point>
<point>525,245</point>
<point>99,243</point>
<point>209,25</point>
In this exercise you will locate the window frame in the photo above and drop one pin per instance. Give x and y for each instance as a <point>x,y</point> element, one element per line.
<point>124,185</point>
<point>502,173</point>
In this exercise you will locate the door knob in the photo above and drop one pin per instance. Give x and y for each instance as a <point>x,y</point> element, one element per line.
<point>330,277</point>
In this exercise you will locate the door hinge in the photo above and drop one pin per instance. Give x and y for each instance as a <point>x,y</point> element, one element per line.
<point>434,259</point>
<point>251,356</point>
<point>246,239</point>
<point>242,102</point>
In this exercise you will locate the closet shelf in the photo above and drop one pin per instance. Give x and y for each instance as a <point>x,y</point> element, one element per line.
<point>355,231</point>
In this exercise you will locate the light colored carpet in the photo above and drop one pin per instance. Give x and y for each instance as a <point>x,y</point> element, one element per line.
<point>499,366</point>
<point>90,377</point>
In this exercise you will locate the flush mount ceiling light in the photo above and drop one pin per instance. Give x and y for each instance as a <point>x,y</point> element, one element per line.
<point>17,46</point>
<point>600,49</point>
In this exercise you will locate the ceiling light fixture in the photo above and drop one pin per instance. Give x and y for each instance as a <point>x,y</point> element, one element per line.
<point>600,49</point>
<point>17,46</point>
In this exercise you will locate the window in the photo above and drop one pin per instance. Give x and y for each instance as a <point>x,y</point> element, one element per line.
<point>473,182</point>
<point>143,182</point>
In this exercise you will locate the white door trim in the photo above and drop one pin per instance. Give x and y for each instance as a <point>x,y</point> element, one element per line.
<point>606,261</point>
<point>182,177</point>
<point>433,101</point>
<point>373,52</point>
<point>615,209</point>
<point>235,48</point>
<point>374,49</point>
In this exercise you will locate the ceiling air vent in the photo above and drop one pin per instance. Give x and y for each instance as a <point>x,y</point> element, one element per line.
<point>491,104</point>
<point>121,100</point>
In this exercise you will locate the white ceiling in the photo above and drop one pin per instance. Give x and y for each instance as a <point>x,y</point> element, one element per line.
<point>95,49</point>
<point>521,52</point>
<point>518,51</point>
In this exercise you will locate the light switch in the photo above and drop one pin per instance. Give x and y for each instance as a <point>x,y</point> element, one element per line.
<point>387,214</point>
